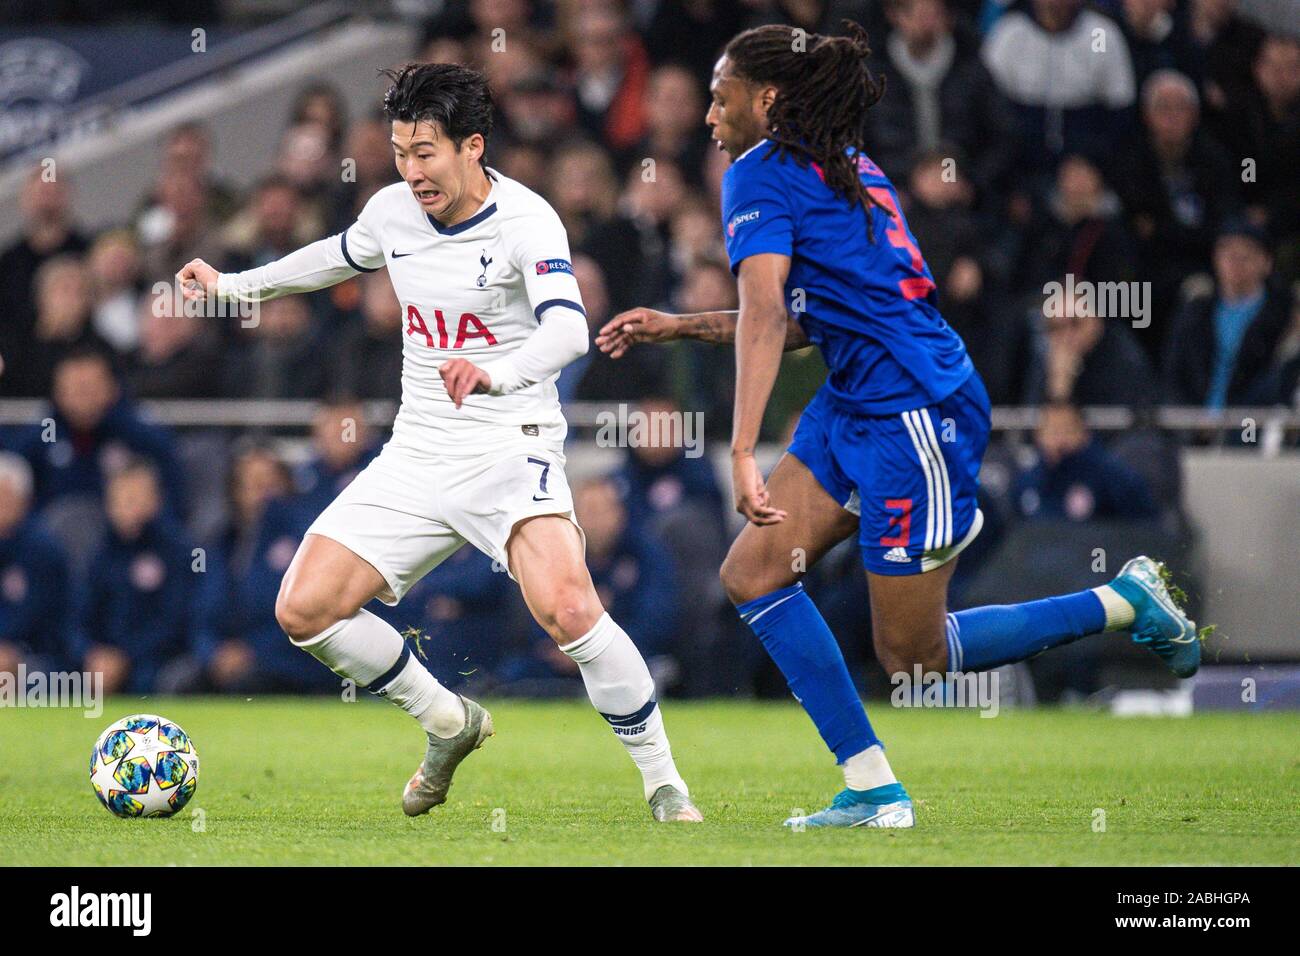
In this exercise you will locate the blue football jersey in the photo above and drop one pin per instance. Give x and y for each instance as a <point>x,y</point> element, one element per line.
<point>869,306</point>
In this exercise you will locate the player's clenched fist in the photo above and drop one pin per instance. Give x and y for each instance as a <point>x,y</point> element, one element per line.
<point>636,325</point>
<point>197,280</point>
<point>462,377</point>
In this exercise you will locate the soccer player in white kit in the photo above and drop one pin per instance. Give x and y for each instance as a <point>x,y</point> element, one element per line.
<point>492,313</point>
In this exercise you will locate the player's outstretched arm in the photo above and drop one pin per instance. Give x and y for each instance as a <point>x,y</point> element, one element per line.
<point>316,266</point>
<point>648,325</point>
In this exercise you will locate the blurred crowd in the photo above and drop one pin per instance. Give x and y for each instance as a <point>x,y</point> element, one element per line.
<point>1036,142</point>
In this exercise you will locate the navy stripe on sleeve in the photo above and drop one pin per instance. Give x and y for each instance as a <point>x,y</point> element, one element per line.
<point>359,268</point>
<point>567,303</point>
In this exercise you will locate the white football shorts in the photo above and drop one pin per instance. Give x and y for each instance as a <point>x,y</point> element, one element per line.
<point>405,515</point>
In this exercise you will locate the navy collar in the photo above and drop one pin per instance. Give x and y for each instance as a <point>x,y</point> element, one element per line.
<point>473,220</point>
<point>469,223</point>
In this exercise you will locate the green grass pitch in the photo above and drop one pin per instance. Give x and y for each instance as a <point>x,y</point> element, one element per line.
<point>305,782</point>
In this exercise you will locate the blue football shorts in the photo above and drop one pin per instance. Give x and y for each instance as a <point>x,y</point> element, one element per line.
<point>911,478</point>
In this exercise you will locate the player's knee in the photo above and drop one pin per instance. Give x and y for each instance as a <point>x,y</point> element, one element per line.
<point>733,581</point>
<point>300,615</point>
<point>891,661</point>
<point>572,611</point>
<point>901,651</point>
<point>744,580</point>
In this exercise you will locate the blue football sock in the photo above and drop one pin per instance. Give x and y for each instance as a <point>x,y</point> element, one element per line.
<point>803,647</point>
<point>986,637</point>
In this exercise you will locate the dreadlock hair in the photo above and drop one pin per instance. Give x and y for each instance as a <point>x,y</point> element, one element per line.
<point>455,97</point>
<point>824,90</point>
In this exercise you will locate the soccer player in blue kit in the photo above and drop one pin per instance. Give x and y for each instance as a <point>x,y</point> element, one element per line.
<point>890,446</point>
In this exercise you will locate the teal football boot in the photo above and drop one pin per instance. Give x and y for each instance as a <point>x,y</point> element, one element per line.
<point>887,806</point>
<point>1159,623</point>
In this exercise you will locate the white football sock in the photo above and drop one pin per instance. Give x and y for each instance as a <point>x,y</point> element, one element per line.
<point>368,650</point>
<point>868,769</point>
<point>621,689</point>
<point>1119,613</point>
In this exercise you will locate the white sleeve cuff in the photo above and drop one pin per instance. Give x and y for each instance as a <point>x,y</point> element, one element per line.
<point>561,338</point>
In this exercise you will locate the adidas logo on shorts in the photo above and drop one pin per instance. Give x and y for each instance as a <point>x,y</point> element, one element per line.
<point>898,555</point>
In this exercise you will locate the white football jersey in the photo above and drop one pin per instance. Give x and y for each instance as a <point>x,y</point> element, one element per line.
<point>475,290</point>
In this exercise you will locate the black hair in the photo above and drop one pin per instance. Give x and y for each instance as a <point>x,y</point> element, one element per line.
<point>824,90</point>
<point>455,97</point>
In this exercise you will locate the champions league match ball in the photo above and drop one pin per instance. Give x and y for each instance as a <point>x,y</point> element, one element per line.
<point>144,766</point>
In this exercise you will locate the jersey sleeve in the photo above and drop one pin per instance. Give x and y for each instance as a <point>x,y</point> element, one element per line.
<point>319,265</point>
<point>360,247</point>
<point>361,243</point>
<point>541,253</point>
<point>756,215</point>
